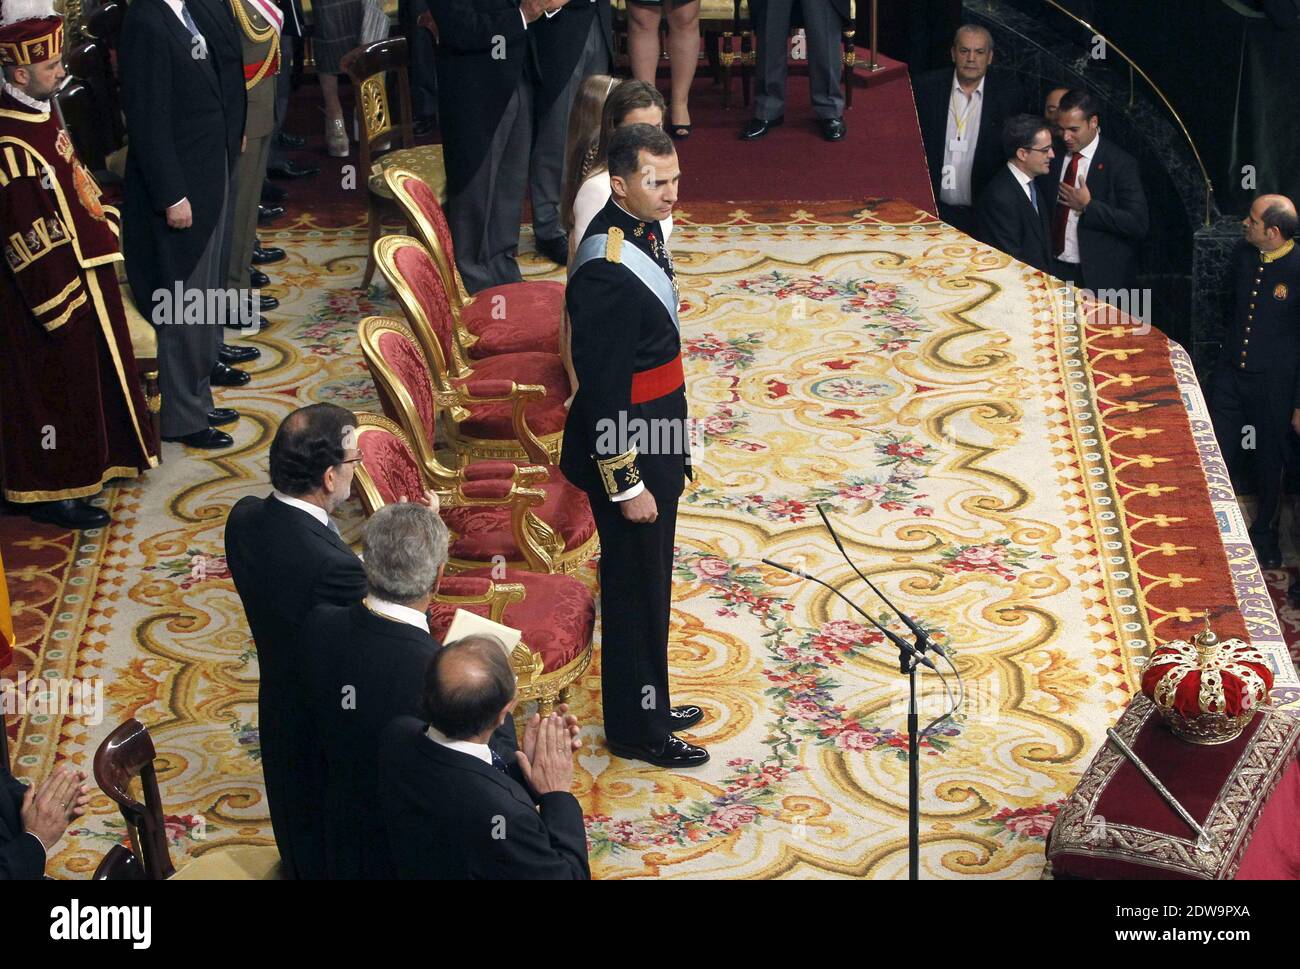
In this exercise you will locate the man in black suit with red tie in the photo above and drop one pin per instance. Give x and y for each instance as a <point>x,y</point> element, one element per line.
<point>625,441</point>
<point>1100,212</point>
<point>286,557</point>
<point>455,808</point>
<point>1012,216</point>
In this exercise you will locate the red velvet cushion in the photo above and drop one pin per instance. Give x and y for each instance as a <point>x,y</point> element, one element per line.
<point>390,465</point>
<point>546,416</point>
<point>480,533</point>
<point>531,318</point>
<point>427,202</point>
<point>420,273</point>
<point>405,359</point>
<point>556,616</point>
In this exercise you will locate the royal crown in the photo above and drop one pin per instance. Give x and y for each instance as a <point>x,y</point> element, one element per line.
<point>1207,690</point>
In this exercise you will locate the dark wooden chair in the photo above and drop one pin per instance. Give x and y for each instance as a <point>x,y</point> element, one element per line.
<point>125,754</point>
<point>119,865</point>
<point>99,127</point>
<point>369,68</point>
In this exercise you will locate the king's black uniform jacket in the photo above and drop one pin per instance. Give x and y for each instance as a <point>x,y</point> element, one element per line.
<point>621,329</point>
<point>1264,337</point>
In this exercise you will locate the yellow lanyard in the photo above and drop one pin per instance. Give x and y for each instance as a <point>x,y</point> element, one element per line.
<point>960,122</point>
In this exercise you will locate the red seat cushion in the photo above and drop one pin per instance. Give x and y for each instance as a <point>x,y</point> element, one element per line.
<point>491,421</point>
<point>556,616</point>
<point>531,320</point>
<point>482,533</point>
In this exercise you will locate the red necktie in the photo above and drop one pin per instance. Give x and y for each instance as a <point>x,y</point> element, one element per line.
<point>1062,214</point>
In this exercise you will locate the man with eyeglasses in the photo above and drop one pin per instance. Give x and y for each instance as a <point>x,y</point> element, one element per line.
<point>286,556</point>
<point>1012,216</point>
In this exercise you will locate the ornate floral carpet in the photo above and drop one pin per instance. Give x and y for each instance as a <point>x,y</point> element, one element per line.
<point>1039,486</point>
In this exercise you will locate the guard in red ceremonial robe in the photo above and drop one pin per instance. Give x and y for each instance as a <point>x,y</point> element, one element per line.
<point>72,412</point>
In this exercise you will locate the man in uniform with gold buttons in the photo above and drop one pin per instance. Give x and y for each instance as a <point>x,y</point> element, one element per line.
<point>1255,392</point>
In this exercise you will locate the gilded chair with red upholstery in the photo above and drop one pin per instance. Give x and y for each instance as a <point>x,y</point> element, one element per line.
<point>554,613</point>
<point>127,753</point>
<point>480,401</point>
<point>510,318</point>
<point>559,535</point>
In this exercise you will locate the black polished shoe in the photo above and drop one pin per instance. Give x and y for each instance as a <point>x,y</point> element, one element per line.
<point>226,376</point>
<point>262,323</point>
<point>683,718</point>
<point>228,354</point>
<point>266,254</point>
<point>673,752</point>
<point>272,194</point>
<point>222,415</point>
<point>424,127</point>
<point>833,129</point>
<point>269,213</point>
<point>292,142</point>
<point>1267,551</point>
<point>757,128</point>
<point>257,279</point>
<point>266,303</point>
<point>74,513</point>
<point>288,169</point>
<point>209,439</point>
<point>555,249</point>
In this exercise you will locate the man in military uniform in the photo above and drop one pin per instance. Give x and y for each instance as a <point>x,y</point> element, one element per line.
<point>260,25</point>
<point>72,414</point>
<point>1255,393</point>
<point>625,442</point>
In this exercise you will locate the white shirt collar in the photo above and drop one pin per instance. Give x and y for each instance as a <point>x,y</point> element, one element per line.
<point>1092,148</point>
<point>956,85</point>
<point>316,511</point>
<point>397,613</point>
<point>482,751</point>
<point>1021,177</point>
<point>23,98</point>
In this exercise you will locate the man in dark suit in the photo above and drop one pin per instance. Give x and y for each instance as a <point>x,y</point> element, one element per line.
<point>454,808</point>
<point>962,112</point>
<point>367,667</point>
<point>286,557</point>
<point>1255,391</point>
<point>1012,217</point>
<point>625,441</point>
<point>823,22</point>
<point>487,66</point>
<point>1100,211</point>
<point>576,42</point>
<point>32,819</point>
<point>183,96</point>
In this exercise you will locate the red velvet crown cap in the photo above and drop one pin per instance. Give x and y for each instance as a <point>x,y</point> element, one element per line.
<point>33,41</point>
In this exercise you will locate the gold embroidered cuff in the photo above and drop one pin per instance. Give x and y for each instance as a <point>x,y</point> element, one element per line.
<point>619,473</point>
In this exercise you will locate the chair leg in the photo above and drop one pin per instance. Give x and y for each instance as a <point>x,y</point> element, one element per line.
<point>545,706</point>
<point>376,230</point>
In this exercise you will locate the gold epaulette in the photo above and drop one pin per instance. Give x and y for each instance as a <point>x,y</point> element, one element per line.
<point>614,244</point>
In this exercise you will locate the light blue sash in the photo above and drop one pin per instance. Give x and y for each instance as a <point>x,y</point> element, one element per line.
<point>638,263</point>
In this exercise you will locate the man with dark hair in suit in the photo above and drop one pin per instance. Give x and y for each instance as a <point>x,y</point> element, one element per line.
<point>1052,113</point>
<point>454,807</point>
<point>32,819</point>
<point>961,112</point>
<point>824,21</point>
<point>487,67</point>
<point>1255,391</point>
<point>1012,217</point>
<point>183,95</point>
<point>368,664</point>
<point>286,556</point>
<point>1100,211</point>
<point>630,378</point>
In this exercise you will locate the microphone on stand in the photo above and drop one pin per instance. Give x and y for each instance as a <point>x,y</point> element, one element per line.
<point>923,641</point>
<point>893,637</point>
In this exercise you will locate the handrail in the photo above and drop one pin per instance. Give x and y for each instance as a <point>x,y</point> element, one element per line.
<point>1209,187</point>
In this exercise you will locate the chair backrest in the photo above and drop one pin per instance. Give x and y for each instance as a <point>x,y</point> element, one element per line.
<point>105,22</point>
<point>83,122</point>
<point>125,754</point>
<point>405,386</point>
<point>119,865</point>
<point>419,203</point>
<point>369,67</point>
<point>414,277</point>
<point>389,469</point>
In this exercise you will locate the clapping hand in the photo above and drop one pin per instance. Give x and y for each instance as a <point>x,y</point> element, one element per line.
<point>429,499</point>
<point>49,808</point>
<point>546,760</point>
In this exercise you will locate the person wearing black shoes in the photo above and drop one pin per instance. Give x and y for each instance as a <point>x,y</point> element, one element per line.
<point>257,279</point>
<point>630,376</point>
<point>267,214</point>
<point>823,22</point>
<point>1254,394</point>
<point>232,355</point>
<point>264,255</point>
